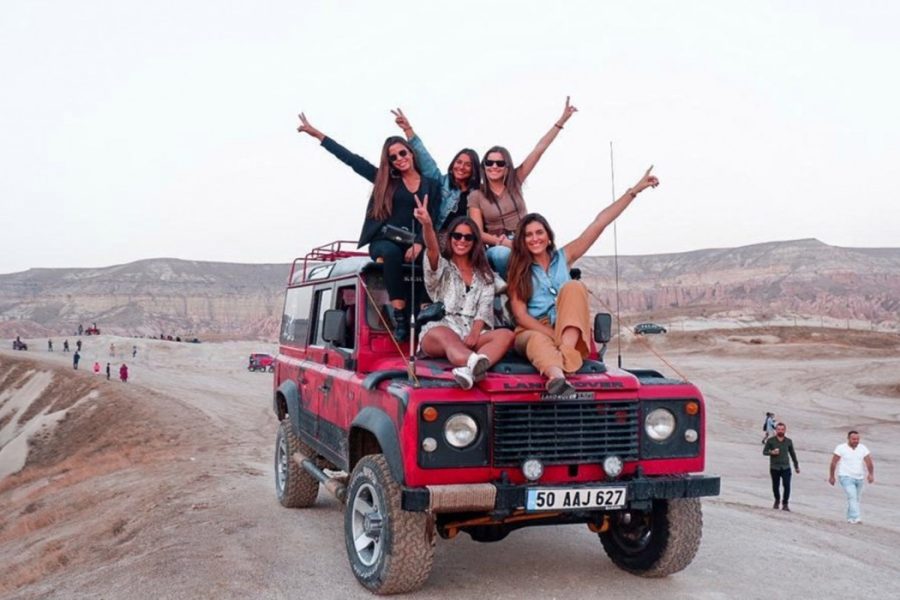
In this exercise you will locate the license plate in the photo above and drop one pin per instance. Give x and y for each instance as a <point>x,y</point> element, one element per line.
<point>574,498</point>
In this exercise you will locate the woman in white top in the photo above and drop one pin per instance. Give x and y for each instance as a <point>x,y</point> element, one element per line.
<point>459,276</point>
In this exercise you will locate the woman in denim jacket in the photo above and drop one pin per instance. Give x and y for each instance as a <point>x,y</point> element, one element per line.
<point>462,176</point>
<point>551,310</point>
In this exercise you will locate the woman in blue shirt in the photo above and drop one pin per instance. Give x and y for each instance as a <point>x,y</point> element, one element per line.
<point>551,311</point>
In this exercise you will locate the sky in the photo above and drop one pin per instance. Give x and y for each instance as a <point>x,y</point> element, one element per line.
<point>133,130</point>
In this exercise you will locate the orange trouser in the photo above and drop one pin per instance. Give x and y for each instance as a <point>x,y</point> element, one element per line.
<point>545,352</point>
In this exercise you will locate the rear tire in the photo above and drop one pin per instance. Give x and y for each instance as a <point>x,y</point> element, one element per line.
<point>390,550</point>
<point>294,487</point>
<point>658,542</point>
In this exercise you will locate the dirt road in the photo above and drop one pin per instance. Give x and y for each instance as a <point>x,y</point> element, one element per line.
<point>162,487</point>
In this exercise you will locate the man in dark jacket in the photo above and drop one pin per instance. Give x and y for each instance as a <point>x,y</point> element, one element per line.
<point>780,450</point>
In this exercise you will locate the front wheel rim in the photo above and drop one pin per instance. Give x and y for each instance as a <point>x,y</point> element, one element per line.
<point>282,469</point>
<point>367,524</point>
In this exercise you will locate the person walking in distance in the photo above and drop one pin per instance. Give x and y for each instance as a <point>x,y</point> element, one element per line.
<point>854,463</point>
<point>96,367</point>
<point>78,345</point>
<point>75,358</point>
<point>123,373</point>
<point>780,450</point>
<point>107,371</point>
<point>768,426</point>
<point>49,345</point>
<point>133,351</point>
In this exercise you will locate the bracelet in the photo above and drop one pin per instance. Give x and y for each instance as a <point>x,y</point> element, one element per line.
<point>557,125</point>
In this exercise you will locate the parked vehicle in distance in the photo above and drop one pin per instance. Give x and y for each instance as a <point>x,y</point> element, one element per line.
<point>643,328</point>
<point>413,457</point>
<point>92,330</point>
<point>261,362</point>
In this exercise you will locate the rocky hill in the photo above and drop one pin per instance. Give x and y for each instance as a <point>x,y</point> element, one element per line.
<point>795,279</point>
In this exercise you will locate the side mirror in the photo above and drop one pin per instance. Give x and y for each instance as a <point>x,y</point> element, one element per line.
<point>602,328</point>
<point>334,326</point>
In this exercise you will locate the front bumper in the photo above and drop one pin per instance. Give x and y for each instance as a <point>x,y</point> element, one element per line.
<point>504,498</point>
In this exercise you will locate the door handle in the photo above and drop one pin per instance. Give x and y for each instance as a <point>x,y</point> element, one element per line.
<point>324,387</point>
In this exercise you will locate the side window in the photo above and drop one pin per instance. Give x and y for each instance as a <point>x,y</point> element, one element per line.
<point>322,302</point>
<point>295,319</point>
<point>346,301</point>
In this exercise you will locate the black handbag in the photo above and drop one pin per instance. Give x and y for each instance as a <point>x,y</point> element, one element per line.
<point>400,235</point>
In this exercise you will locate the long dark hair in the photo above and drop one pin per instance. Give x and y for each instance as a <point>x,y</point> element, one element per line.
<point>511,181</point>
<point>518,275</point>
<point>480,264</point>
<point>474,181</point>
<point>387,179</point>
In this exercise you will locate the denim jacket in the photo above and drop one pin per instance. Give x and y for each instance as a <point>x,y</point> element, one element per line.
<point>449,195</point>
<point>546,286</point>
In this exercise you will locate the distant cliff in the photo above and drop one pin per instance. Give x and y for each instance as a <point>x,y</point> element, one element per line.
<point>802,278</point>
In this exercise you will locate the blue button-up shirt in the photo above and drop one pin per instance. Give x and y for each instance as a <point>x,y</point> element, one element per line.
<point>546,286</point>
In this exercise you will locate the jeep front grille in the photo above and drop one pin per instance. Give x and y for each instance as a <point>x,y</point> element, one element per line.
<point>566,432</point>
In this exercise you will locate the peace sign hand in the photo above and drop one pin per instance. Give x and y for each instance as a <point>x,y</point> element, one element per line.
<point>421,212</point>
<point>646,181</point>
<point>400,119</point>
<point>568,111</point>
<point>305,127</point>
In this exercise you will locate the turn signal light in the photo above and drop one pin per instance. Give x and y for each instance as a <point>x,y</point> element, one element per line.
<point>692,408</point>
<point>430,414</point>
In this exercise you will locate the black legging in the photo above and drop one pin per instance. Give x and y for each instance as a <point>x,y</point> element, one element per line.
<point>392,254</point>
<point>783,475</point>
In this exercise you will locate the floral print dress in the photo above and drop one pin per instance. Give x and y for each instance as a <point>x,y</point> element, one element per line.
<point>463,307</point>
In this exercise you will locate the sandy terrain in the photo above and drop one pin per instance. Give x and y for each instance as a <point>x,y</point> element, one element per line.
<point>162,487</point>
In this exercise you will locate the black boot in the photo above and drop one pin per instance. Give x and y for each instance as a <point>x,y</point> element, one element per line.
<point>400,317</point>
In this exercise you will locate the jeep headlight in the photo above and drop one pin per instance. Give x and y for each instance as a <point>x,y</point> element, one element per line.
<point>659,424</point>
<point>460,430</point>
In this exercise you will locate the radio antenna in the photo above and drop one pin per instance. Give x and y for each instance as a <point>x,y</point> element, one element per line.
<point>612,172</point>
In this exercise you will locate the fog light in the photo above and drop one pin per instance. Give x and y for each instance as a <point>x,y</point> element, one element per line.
<point>612,466</point>
<point>429,444</point>
<point>690,436</point>
<point>532,469</point>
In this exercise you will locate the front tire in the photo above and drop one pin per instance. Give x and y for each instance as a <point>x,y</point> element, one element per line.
<point>294,487</point>
<point>390,550</point>
<point>658,542</point>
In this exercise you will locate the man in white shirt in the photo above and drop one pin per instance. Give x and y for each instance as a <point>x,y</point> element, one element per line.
<point>854,463</point>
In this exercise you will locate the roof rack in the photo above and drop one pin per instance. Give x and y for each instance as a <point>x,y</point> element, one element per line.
<point>327,253</point>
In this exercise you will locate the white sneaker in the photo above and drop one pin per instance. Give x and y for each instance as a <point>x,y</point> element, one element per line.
<point>478,364</point>
<point>463,376</point>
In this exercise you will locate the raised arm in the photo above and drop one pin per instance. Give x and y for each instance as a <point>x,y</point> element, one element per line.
<point>423,216</point>
<point>576,248</point>
<point>524,170</point>
<point>427,166</point>
<point>359,164</point>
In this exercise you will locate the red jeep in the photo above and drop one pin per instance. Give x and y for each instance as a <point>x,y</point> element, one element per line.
<point>425,457</point>
<point>261,362</point>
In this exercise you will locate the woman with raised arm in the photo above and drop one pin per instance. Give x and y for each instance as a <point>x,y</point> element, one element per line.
<point>396,180</point>
<point>459,275</point>
<point>498,206</point>
<point>551,310</point>
<point>462,176</point>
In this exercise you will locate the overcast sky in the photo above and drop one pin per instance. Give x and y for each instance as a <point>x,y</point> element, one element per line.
<point>167,129</point>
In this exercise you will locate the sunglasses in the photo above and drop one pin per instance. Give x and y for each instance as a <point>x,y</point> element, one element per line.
<point>491,163</point>
<point>401,154</point>
<point>462,236</point>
